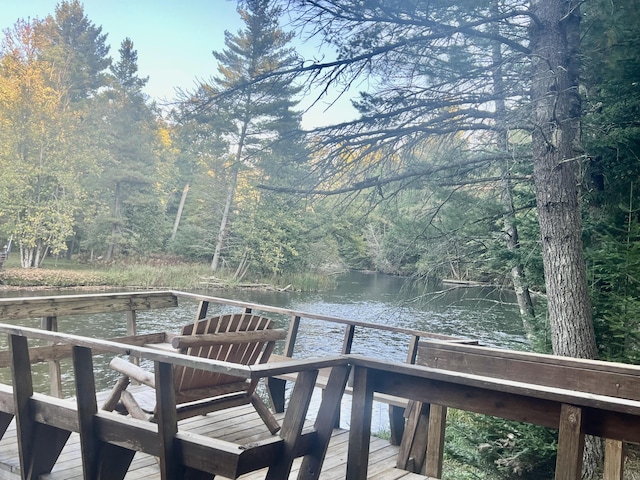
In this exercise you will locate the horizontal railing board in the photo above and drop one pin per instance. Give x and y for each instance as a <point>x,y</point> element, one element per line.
<point>605,416</point>
<point>315,316</point>
<point>539,392</point>
<point>592,376</point>
<point>34,307</point>
<point>62,351</point>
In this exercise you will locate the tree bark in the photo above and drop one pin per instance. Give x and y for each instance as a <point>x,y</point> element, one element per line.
<point>224,222</point>
<point>556,115</point>
<point>231,190</point>
<point>176,223</point>
<point>115,226</point>
<point>518,279</point>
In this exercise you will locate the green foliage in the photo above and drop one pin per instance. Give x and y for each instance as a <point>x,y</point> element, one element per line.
<point>612,141</point>
<point>613,263</point>
<point>78,47</point>
<point>42,158</point>
<point>501,448</point>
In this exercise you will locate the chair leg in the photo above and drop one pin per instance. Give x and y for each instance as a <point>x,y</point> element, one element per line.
<point>114,397</point>
<point>266,415</point>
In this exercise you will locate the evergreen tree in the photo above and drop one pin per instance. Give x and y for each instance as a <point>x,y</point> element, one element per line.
<point>611,133</point>
<point>128,212</point>
<point>79,46</point>
<point>256,107</point>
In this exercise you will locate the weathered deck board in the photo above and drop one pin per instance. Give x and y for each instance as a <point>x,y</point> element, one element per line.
<point>240,425</point>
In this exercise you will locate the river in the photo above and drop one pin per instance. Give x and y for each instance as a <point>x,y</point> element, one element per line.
<point>487,314</point>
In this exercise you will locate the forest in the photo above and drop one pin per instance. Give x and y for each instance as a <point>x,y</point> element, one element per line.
<point>447,172</point>
<point>497,141</point>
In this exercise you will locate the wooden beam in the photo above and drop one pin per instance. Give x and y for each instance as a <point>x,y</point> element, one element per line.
<point>614,454</point>
<point>413,447</point>
<point>593,376</point>
<point>570,444</point>
<point>292,425</point>
<point>328,412</point>
<point>170,463</point>
<point>87,408</point>
<point>35,307</point>
<point>22,392</point>
<point>50,323</point>
<point>39,445</point>
<point>360,429</point>
<point>62,351</point>
<point>435,441</point>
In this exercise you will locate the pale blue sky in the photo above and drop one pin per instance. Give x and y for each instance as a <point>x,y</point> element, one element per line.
<point>174,40</point>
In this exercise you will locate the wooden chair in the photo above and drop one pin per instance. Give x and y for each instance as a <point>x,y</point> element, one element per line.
<point>246,339</point>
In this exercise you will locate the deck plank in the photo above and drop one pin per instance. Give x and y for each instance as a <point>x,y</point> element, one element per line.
<point>240,425</point>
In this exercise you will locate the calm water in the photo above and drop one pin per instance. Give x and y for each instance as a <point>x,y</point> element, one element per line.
<point>481,313</point>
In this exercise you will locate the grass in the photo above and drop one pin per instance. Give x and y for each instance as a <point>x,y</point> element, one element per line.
<point>152,272</point>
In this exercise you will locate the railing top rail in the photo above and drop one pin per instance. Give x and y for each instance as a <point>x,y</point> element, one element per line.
<point>216,366</point>
<point>315,316</point>
<point>75,297</point>
<point>79,304</point>
<point>543,392</point>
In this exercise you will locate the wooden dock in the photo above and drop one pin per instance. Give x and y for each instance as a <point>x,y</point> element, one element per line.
<point>240,425</point>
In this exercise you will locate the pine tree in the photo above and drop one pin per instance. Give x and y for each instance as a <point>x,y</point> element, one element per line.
<point>79,46</point>
<point>128,210</point>
<point>256,111</point>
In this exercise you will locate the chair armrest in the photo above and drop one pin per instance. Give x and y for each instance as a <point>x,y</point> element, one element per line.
<point>210,339</point>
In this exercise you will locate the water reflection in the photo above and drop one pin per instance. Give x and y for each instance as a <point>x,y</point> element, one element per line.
<point>481,313</point>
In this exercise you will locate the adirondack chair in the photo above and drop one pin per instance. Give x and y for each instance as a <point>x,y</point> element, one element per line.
<point>246,339</point>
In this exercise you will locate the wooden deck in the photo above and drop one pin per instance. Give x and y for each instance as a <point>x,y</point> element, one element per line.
<point>240,425</point>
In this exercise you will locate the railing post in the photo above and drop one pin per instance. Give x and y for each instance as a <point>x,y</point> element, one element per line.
<point>132,327</point>
<point>360,429</point>
<point>276,386</point>
<point>435,440</point>
<point>87,408</point>
<point>55,378</point>
<point>39,445</point>
<point>166,415</point>
<point>22,393</point>
<point>613,460</point>
<point>570,443</point>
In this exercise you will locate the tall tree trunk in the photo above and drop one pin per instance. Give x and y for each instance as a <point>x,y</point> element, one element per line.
<point>512,240</point>
<point>224,222</point>
<point>115,226</point>
<point>556,115</point>
<point>176,223</point>
<point>231,190</point>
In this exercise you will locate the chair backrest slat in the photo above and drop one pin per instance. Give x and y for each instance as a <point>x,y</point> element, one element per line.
<point>242,352</point>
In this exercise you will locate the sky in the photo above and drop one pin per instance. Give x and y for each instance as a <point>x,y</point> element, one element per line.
<point>174,40</point>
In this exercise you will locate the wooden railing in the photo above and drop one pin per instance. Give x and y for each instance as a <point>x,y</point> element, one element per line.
<point>573,413</point>
<point>109,441</point>
<point>51,307</point>
<point>577,397</point>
